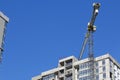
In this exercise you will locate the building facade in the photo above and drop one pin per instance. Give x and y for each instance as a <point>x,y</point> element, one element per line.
<point>3,21</point>
<point>70,68</point>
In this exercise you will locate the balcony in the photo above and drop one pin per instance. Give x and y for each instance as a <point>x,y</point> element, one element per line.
<point>68,72</point>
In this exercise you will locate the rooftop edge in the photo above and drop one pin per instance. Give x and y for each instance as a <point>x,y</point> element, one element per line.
<point>4,17</point>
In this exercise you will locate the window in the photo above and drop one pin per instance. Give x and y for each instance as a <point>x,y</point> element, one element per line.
<point>86,65</point>
<point>104,68</point>
<point>118,74</point>
<point>48,77</point>
<point>115,77</point>
<point>83,65</point>
<point>80,73</point>
<point>68,78</point>
<point>88,77</point>
<point>96,64</point>
<point>97,77</point>
<point>89,71</point>
<point>51,76</point>
<point>104,75</point>
<point>103,62</point>
<point>80,66</point>
<point>80,79</point>
<point>111,63</point>
<point>85,72</point>
<point>45,78</point>
<point>97,70</point>
<point>85,78</point>
<point>89,63</point>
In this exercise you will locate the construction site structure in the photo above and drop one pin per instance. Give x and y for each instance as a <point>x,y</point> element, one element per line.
<point>3,22</point>
<point>89,39</point>
<point>70,68</point>
<point>100,68</point>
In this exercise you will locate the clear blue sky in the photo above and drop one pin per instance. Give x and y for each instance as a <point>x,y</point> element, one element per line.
<point>40,32</point>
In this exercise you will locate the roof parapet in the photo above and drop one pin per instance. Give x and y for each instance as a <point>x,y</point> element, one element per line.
<point>4,17</point>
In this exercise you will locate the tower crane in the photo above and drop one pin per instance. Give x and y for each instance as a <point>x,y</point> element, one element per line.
<point>89,39</point>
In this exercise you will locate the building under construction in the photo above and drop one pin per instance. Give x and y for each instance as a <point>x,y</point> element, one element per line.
<point>70,68</point>
<point>3,22</point>
<point>100,68</point>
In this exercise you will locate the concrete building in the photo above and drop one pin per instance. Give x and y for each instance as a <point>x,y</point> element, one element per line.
<point>70,68</point>
<point>3,21</point>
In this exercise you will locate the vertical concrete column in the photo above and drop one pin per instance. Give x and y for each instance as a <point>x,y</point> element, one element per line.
<point>76,74</point>
<point>56,77</point>
<point>107,69</point>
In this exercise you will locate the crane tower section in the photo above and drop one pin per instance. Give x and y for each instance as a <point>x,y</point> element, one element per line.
<point>3,21</point>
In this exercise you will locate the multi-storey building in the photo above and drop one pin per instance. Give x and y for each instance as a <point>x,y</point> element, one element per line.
<point>3,21</point>
<point>70,68</point>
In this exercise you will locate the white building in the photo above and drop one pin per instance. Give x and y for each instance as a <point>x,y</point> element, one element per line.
<point>70,68</point>
<point>3,21</point>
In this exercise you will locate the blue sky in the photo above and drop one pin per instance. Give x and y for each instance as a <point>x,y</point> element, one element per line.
<point>40,32</point>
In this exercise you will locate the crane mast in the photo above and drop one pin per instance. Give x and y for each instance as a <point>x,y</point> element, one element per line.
<point>89,39</point>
